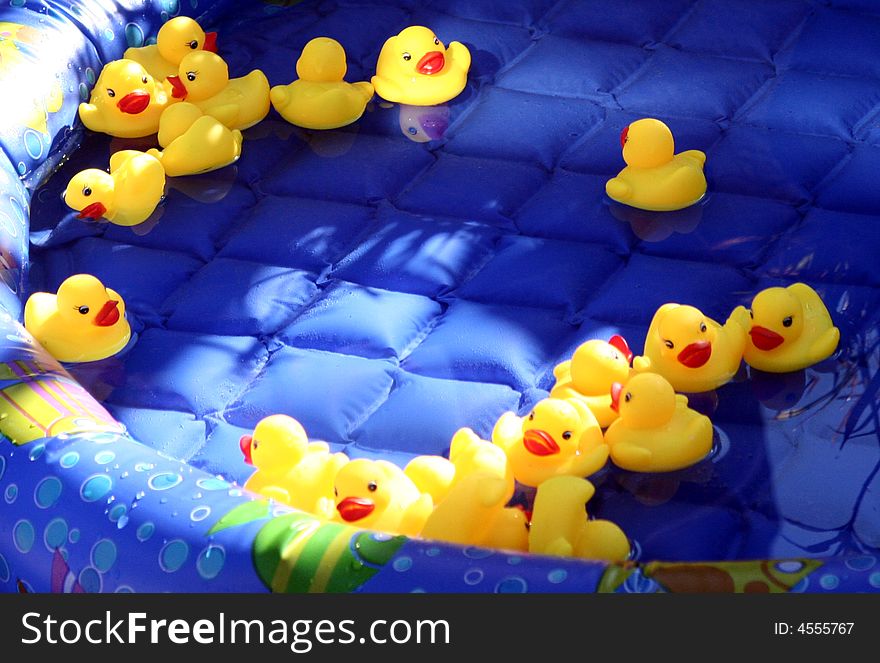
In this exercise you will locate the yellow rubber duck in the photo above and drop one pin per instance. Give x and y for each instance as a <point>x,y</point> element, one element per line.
<point>559,436</point>
<point>692,351</point>
<point>126,196</point>
<point>415,68</point>
<point>656,430</point>
<point>431,474</point>
<point>377,495</point>
<point>560,527</point>
<point>320,98</point>
<point>468,454</point>
<point>203,80</point>
<point>791,329</point>
<point>470,491</point>
<point>290,469</point>
<point>126,101</point>
<point>84,321</point>
<point>194,142</point>
<point>655,178</point>
<point>177,37</point>
<point>473,513</point>
<point>589,374</point>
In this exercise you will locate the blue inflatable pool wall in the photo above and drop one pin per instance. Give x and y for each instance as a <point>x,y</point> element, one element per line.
<point>425,269</point>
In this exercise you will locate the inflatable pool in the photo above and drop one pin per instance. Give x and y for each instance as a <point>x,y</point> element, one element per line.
<point>425,269</point>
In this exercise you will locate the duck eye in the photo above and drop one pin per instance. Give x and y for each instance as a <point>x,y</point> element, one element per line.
<point>372,486</point>
<point>144,80</point>
<point>566,435</point>
<point>190,75</point>
<point>111,92</point>
<point>194,44</point>
<point>786,322</point>
<point>628,397</point>
<point>702,326</point>
<point>436,41</point>
<point>531,416</point>
<point>335,492</point>
<point>255,444</point>
<point>669,344</point>
<point>87,191</point>
<point>407,57</point>
<point>83,309</point>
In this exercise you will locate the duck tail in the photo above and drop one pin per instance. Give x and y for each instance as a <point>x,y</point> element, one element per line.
<point>695,155</point>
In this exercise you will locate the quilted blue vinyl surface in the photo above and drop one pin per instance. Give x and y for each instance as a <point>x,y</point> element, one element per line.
<point>425,269</point>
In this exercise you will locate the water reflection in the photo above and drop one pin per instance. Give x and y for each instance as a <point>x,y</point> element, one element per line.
<point>778,391</point>
<point>208,187</point>
<point>330,144</point>
<point>657,489</point>
<point>705,402</point>
<point>422,124</point>
<point>152,221</point>
<point>140,144</point>
<point>269,128</point>
<point>99,378</point>
<point>657,226</point>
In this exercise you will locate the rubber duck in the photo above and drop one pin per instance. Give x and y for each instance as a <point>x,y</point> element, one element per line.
<point>290,469</point>
<point>790,330</point>
<point>193,142</point>
<point>320,98</point>
<point>589,374</point>
<point>203,80</point>
<point>377,495</point>
<point>126,196</point>
<point>468,454</point>
<point>691,350</point>
<point>656,430</point>
<point>125,102</point>
<point>474,514</point>
<point>415,68</point>
<point>655,178</point>
<point>431,474</point>
<point>470,492</point>
<point>83,321</point>
<point>560,526</point>
<point>559,436</point>
<point>177,37</point>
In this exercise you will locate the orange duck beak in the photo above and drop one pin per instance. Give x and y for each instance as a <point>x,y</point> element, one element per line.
<point>245,444</point>
<point>696,354</point>
<point>93,211</point>
<point>619,342</point>
<point>210,42</point>
<point>765,339</point>
<point>178,89</point>
<point>540,443</point>
<point>108,315</point>
<point>134,102</point>
<point>431,63</point>
<point>355,508</point>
